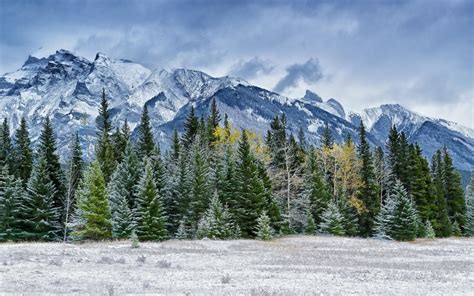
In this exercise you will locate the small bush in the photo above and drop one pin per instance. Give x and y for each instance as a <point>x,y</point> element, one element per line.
<point>225,279</point>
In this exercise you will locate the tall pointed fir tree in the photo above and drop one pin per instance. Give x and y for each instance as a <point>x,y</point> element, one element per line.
<point>453,191</point>
<point>251,193</point>
<point>191,126</point>
<point>105,154</point>
<point>11,194</point>
<point>7,153</point>
<point>93,215</point>
<point>23,152</point>
<point>332,220</point>
<point>315,190</point>
<point>469,226</point>
<point>122,195</point>
<point>39,213</point>
<point>368,192</point>
<point>145,144</point>
<point>441,223</point>
<point>397,219</point>
<point>75,167</point>
<point>47,150</point>
<point>175,147</point>
<point>216,222</point>
<point>213,121</point>
<point>120,138</point>
<point>151,220</point>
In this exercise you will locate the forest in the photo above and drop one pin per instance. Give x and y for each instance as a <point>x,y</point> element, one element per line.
<point>219,182</point>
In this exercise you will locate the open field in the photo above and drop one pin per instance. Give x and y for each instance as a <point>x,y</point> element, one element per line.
<point>289,266</point>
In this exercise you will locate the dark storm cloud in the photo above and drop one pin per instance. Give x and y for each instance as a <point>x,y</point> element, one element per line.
<point>309,72</point>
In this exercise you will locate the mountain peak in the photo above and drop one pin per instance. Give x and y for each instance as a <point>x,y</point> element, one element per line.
<point>310,96</point>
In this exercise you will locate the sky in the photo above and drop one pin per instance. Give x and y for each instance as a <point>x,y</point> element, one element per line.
<point>419,53</point>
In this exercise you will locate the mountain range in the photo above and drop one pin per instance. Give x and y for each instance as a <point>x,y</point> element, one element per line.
<point>67,88</point>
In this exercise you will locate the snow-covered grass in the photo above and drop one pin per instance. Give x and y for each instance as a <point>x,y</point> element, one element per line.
<point>288,266</point>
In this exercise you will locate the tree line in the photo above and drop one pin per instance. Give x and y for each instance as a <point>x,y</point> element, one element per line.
<point>219,182</point>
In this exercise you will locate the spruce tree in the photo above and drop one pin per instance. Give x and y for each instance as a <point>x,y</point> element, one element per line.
<point>24,153</point>
<point>368,192</point>
<point>94,218</point>
<point>315,189</point>
<point>213,121</point>
<point>310,223</point>
<point>182,232</point>
<point>469,226</point>
<point>327,140</point>
<point>429,231</point>
<point>200,193</point>
<point>441,223</point>
<point>453,191</point>
<point>47,150</point>
<point>105,153</point>
<point>191,126</point>
<point>216,222</point>
<point>332,221</point>
<point>7,153</point>
<point>264,230</point>
<point>145,144</point>
<point>120,138</point>
<point>397,219</point>
<point>11,194</point>
<point>250,193</point>
<point>39,214</point>
<point>122,194</point>
<point>151,220</point>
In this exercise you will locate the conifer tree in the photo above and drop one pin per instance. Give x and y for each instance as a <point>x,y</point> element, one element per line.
<point>181,233</point>
<point>397,219</point>
<point>121,193</point>
<point>469,226</point>
<point>315,189</point>
<point>200,193</point>
<point>264,230</point>
<point>453,191</point>
<point>145,144</point>
<point>7,153</point>
<point>191,126</point>
<point>175,147</point>
<point>151,220</point>
<point>74,172</point>
<point>250,193</point>
<point>429,231</point>
<point>11,194</point>
<point>39,214</point>
<point>120,138</point>
<point>216,222</point>
<point>441,222</point>
<point>368,192</point>
<point>380,173</point>
<point>332,221</point>
<point>310,223</point>
<point>93,206</point>
<point>327,139</point>
<point>24,153</point>
<point>105,153</point>
<point>213,121</point>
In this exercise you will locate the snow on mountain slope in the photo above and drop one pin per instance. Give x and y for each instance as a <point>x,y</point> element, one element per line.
<point>68,89</point>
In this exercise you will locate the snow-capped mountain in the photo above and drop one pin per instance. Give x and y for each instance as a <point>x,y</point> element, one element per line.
<point>68,88</point>
<point>430,133</point>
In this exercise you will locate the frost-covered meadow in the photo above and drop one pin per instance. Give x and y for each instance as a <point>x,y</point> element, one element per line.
<point>288,266</point>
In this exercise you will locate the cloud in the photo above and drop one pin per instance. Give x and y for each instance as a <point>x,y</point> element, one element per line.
<point>309,72</point>
<point>251,69</point>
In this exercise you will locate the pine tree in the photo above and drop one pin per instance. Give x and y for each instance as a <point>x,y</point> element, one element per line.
<point>368,193</point>
<point>213,121</point>
<point>105,153</point>
<point>191,126</point>
<point>216,222</point>
<point>94,218</point>
<point>74,175</point>
<point>181,233</point>
<point>24,153</point>
<point>327,139</point>
<point>441,223</point>
<point>7,153</point>
<point>250,193</point>
<point>453,191</point>
<point>397,219</point>
<point>145,144</point>
<point>11,194</point>
<point>469,226</point>
<point>264,230</point>
<point>332,221</point>
<point>455,229</point>
<point>315,188</point>
<point>175,147</point>
<point>151,221</point>
<point>429,231</point>
<point>310,223</point>
<point>122,195</point>
<point>39,215</point>
<point>120,138</point>
<point>349,215</point>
